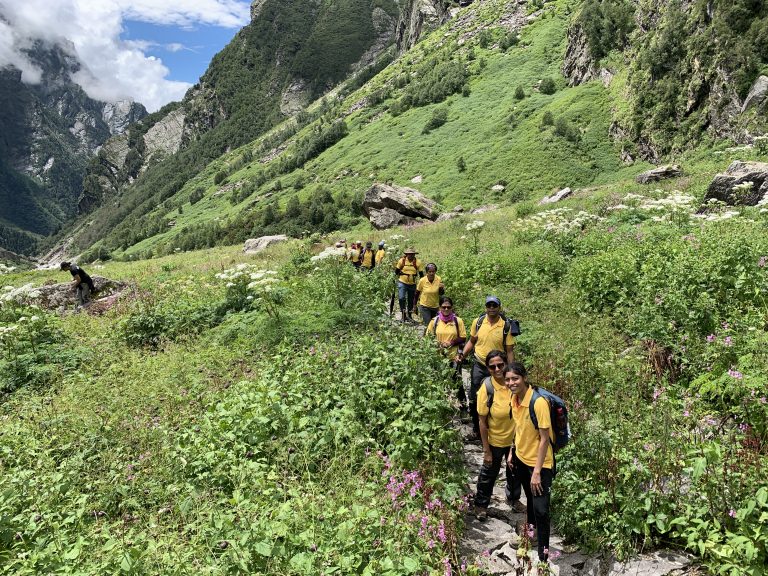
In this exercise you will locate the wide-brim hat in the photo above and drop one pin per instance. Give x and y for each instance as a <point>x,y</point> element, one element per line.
<point>409,251</point>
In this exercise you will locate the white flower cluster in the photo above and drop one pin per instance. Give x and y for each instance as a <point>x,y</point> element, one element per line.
<point>329,252</point>
<point>717,216</point>
<point>241,270</point>
<point>557,220</point>
<point>475,225</point>
<point>6,269</point>
<point>26,292</point>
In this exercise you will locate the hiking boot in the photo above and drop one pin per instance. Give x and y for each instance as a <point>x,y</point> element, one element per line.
<point>518,507</point>
<point>481,514</point>
<point>403,317</point>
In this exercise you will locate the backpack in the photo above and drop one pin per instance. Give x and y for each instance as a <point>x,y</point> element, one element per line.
<point>558,414</point>
<point>510,326</point>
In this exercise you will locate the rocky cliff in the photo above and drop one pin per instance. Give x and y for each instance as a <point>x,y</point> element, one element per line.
<point>418,17</point>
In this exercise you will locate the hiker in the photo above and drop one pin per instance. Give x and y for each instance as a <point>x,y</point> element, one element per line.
<point>408,269</point>
<point>489,332</point>
<point>354,253</point>
<point>367,257</point>
<point>380,253</point>
<point>82,284</point>
<point>449,332</point>
<point>428,292</point>
<point>533,458</point>
<point>497,431</point>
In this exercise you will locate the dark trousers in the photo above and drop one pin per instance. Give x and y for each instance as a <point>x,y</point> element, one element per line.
<point>479,373</point>
<point>487,478</point>
<point>427,314</point>
<point>406,293</point>
<point>456,366</point>
<point>538,506</point>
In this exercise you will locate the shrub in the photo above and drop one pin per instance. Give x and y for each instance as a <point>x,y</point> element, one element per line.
<point>547,86</point>
<point>197,195</point>
<point>220,176</point>
<point>519,93</point>
<point>547,119</point>
<point>439,117</point>
<point>461,165</point>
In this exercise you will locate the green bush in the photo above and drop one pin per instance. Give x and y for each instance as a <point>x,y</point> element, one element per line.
<point>547,86</point>
<point>519,93</point>
<point>220,176</point>
<point>438,118</point>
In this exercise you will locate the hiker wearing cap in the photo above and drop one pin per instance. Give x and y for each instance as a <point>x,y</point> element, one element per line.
<point>408,270</point>
<point>367,257</point>
<point>82,284</point>
<point>489,332</point>
<point>497,431</point>
<point>428,292</point>
<point>380,253</point>
<point>449,333</point>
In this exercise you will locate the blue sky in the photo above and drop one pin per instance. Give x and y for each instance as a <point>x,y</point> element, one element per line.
<point>185,51</point>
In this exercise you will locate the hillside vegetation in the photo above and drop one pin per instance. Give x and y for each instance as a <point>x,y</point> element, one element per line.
<point>227,417</point>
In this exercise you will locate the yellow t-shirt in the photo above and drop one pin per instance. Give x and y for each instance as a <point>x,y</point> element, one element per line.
<point>501,425</point>
<point>354,255</point>
<point>429,292</point>
<point>367,259</point>
<point>410,270</point>
<point>526,436</point>
<point>446,333</point>
<point>489,337</point>
<point>380,253</point>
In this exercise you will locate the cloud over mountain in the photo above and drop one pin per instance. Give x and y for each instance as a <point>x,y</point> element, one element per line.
<point>112,69</point>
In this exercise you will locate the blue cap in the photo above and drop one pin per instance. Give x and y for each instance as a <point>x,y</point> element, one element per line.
<point>492,299</point>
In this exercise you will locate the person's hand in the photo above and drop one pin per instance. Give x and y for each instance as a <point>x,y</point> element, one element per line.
<point>536,487</point>
<point>442,286</point>
<point>487,458</point>
<point>511,460</point>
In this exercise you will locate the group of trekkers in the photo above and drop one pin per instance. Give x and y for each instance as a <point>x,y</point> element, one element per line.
<point>511,418</point>
<point>364,257</point>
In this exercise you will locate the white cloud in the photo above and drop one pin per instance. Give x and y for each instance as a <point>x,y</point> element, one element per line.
<point>113,69</point>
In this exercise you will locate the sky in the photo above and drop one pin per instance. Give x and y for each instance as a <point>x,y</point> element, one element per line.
<point>150,51</point>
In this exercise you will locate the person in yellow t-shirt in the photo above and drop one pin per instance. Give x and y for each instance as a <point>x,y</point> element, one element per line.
<point>367,257</point>
<point>380,253</point>
<point>488,332</point>
<point>353,255</point>
<point>449,332</point>
<point>497,431</point>
<point>428,292</point>
<point>408,270</point>
<point>532,459</point>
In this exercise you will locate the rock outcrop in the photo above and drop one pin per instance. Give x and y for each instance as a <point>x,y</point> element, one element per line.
<point>295,97</point>
<point>57,296</point>
<point>255,245</point>
<point>165,136</point>
<point>557,196</point>
<point>660,173</point>
<point>387,205</point>
<point>384,25</point>
<point>758,95</point>
<point>731,186</point>
<point>418,17</point>
<point>578,64</point>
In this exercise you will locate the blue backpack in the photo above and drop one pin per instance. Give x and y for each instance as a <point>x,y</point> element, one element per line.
<point>558,414</point>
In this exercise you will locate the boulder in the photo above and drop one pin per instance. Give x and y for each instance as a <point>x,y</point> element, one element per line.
<point>722,186</point>
<point>254,245</point>
<point>498,188</point>
<point>387,205</point>
<point>445,216</point>
<point>55,296</point>
<point>418,179</point>
<point>660,173</point>
<point>758,94</point>
<point>484,209</point>
<point>557,196</point>
<point>658,563</point>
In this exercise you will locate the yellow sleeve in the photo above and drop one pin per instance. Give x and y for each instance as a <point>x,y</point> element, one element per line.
<point>419,266</point>
<point>473,329</point>
<point>431,327</point>
<point>420,285</point>
<point>462,329</point>
<point>510,341</point>
<point>541,408</point>
<point>482,400</point>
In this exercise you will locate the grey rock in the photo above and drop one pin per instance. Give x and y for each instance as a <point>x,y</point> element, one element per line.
<point>458,208</point>
<point>165,136</point>
<point>658,563</point>
<point>384,25</point>
<point>498,188</point>
<point>295,97</point>
<point>660,173</point>
<point>256,7</point>
<point>418,179</point>
<point>417,17</point>
<point>447,216</point>
<point>722,186</point>
<point>387,205</point>
<point>578,64</point>
<point>484,209</point>
<point>118,115</point>
<point>255,245</point>
<point>556,197</point>
<point>758,94</point>
<point>55,296</point>
<point>484,536</point>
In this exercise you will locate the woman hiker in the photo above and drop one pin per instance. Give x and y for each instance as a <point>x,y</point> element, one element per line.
<point>449,332</point>
<point>532,458</point>
<point>497,431</point>
<point>428,292</point>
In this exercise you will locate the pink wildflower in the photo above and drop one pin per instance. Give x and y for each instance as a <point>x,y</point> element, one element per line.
<point>711,338</point>
<point>735,374</point>
<point>732,513</point>
<point>728,341</point>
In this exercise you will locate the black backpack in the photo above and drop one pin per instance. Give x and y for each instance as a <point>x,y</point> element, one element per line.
<point>510,326</point>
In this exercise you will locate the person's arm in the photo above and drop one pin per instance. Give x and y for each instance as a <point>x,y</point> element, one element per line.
<point>76,281</point>
<point>487,456</point>
<point>541,454</point>
<point>510,349</point>
<point>468,347</point>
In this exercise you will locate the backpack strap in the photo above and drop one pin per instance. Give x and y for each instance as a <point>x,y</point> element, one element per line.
<point>433,325</point>
<point>535,421</point>
<point>489,392</point>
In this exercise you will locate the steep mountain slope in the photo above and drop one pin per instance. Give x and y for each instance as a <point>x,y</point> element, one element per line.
<point>48,130</point>
<point>288,55</point>
<point>481,102</point>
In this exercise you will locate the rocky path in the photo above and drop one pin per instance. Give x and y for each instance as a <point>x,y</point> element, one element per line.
<point>488,542</point>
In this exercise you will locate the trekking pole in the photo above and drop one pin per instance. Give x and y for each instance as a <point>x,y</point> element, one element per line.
<point>392,299</point>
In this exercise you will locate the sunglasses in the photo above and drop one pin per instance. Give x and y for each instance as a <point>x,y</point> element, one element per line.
<point>496,366</point>
<point>491,305</point>
<point>446,306</point>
